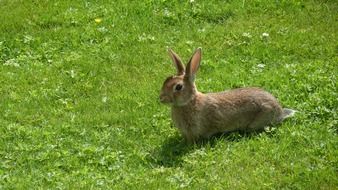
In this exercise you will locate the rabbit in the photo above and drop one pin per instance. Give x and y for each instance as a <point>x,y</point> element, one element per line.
<point>199,116</point>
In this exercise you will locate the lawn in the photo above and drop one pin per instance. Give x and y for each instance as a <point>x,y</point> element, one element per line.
<point>80,80</point>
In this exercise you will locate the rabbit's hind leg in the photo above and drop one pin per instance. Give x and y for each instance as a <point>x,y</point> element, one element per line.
<point>264,118</point>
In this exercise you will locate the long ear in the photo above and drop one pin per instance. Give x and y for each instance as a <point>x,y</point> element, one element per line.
<point>177,62</point>
<point>193,65</point>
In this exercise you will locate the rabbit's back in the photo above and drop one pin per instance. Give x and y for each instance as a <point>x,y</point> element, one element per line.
<point>236,110</point>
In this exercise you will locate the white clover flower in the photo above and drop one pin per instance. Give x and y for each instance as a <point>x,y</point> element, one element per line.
<point>72,73</point>
<point>146,37</point>
<point>104,99</point>
<point>166,12</point>
<point>265,35</point>
<point>261,66</point>
<point>12,62</point>
<point>102,29</point>
<point>247,34</point>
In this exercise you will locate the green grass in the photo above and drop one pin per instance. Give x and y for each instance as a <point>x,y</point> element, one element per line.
<point>79,99</point>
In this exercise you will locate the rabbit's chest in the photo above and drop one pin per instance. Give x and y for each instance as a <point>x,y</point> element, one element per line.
<point>187,121</point>
<point>184,118</point>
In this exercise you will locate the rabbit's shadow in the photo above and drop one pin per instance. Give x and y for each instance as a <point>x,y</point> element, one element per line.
<point>172,151</point>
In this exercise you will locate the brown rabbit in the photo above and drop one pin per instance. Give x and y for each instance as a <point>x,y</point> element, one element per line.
<point>199,115</point>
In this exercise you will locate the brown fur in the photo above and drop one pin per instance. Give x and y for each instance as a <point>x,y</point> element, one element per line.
<point>199,115</point>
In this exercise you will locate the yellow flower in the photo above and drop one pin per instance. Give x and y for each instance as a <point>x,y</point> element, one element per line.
<point>98,20</point>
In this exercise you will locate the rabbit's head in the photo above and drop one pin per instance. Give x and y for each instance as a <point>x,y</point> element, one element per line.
<point>180,89</point>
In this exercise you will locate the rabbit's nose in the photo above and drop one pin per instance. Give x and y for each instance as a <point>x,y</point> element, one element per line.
<point>164,98</point>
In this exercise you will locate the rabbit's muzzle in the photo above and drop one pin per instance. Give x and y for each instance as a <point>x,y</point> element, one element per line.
<point>165,99</point>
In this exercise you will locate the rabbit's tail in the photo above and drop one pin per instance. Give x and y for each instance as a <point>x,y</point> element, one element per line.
<point>288,113</point>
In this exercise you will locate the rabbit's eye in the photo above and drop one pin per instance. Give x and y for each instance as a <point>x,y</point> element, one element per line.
<point>178,87</point>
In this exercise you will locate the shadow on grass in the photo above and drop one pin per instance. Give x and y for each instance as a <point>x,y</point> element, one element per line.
<point>170,153</point>
<point>174,148</point>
